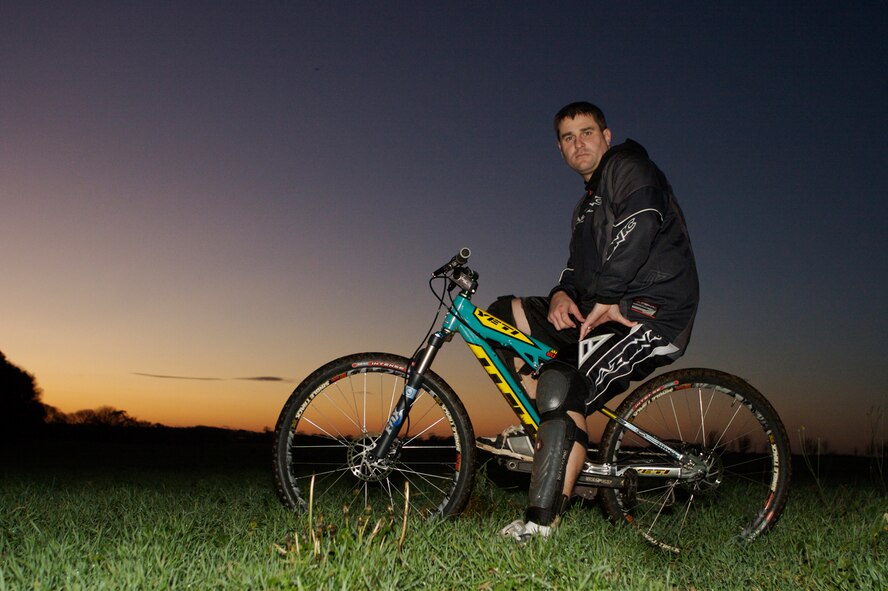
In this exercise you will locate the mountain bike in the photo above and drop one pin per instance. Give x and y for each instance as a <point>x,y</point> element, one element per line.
<point>688,455</point>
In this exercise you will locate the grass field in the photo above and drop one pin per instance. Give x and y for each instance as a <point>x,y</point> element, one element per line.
<point>201,513</point>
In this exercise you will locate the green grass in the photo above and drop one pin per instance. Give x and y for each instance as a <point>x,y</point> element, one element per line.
<point>219,525</point>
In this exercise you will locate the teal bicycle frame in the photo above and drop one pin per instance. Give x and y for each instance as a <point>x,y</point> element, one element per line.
<point>482,331</point>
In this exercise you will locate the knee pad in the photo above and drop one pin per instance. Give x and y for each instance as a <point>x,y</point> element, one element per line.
<point>561,388</point>
<point>555,441</point>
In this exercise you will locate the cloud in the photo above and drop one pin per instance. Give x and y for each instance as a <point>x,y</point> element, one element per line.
<point>251,379</point>
<point>154,375</point>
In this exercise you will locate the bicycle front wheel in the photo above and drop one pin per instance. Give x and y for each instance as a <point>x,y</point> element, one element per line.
<point>332,421</point>
<point>738,480</point>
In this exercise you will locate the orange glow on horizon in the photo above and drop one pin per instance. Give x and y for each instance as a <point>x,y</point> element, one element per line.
<point>231,404</point>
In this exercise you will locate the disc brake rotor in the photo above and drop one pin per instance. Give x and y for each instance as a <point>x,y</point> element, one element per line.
<point>365,467</point>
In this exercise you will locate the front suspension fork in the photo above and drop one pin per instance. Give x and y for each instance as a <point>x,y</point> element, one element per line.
<point>415,373</point>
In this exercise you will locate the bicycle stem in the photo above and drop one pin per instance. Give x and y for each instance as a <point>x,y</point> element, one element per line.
<point>418,366</point>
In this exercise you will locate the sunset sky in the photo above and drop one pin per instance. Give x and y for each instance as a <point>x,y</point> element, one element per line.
<point>201,202</point>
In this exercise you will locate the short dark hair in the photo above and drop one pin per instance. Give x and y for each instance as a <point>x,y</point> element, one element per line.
<point>579,108</point>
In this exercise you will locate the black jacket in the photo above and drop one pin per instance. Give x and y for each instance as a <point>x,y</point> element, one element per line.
<point>630,246</point>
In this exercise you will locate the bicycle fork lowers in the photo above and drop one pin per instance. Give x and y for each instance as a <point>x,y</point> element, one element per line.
<point>418,366</point>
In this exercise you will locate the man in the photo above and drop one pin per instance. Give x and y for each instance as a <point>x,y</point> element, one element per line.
<point>624,305</point>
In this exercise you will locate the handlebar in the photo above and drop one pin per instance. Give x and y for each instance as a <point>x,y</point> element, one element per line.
<point>458,260</point>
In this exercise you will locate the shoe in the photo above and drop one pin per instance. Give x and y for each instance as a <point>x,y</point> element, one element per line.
<point>513,442</point>
<point>521,532</point>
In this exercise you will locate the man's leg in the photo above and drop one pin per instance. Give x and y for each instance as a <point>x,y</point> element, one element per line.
<point>577,455</point>
<point>521,323</point>
<point>561,446</point>
<point>510,310</point>
<point>520,317</point>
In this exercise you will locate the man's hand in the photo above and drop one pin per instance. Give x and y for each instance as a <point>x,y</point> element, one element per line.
<point>600,314</point>
<point>561,309</point>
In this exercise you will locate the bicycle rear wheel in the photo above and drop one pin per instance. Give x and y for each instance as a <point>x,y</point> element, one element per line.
<point>740,483</point>
<point>332,421</point>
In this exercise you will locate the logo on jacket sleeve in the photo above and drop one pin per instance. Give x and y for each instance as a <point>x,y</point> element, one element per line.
<point>590,208</point>
<point>644,308</point>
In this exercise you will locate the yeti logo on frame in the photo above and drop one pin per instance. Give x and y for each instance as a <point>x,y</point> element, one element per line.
<point>494,323</point>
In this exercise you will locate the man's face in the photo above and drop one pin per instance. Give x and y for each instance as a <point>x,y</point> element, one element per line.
<point>582,143</point>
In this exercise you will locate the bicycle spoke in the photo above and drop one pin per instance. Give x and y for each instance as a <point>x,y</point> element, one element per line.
<point>317,425</point>
<point>340,408</point>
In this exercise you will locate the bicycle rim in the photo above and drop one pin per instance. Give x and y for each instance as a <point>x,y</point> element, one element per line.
<point>334,419</point>
<point>739,485</point>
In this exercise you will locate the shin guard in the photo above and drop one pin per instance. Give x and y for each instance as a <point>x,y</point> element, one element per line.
<point>555,440</point>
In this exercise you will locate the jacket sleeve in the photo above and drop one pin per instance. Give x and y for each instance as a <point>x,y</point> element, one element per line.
<point>566,283</point>
<point>636,225</point>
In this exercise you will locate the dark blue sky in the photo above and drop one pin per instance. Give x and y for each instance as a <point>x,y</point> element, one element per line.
<point>222,189</point>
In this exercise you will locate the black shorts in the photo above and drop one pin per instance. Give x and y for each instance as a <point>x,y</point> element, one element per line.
<point>610,357</point>
<point>536,309</point>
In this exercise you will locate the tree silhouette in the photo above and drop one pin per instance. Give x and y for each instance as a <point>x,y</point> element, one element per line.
<point>54,415</point>
<point>104,415</point>
<point>20,406</point>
